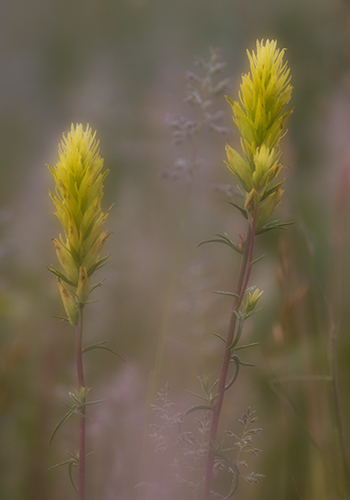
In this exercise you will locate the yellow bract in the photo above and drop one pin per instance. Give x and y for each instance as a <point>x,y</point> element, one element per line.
<point>264,92</point>
<point>77,201</point>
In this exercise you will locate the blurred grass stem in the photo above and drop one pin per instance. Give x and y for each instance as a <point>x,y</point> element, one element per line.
<point>336,401</point>
<point>337,274</point>
<point>154,378</point>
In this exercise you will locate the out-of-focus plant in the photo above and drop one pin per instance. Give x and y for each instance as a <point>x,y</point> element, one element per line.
<point>77,200</point>
<point>203,90</point>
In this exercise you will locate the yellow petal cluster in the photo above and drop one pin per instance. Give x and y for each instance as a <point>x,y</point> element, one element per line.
<point>264,93</point>
<point>77,200</point>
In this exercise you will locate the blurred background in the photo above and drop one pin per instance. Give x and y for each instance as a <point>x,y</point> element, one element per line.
<point>121,67</point>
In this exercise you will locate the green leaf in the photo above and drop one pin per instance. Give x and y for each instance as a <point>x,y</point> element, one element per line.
<point>253,312</point>
<point>63,420</point>
<point>250,289</point>
<point>273,225</point>
<point>214,385</point>
<point>231,294</point>
<point>100,263</point>
<point>102,345</point>
<point>197,395</point>
<point>223,238</point>
<point>198,408</point>
<point>96,286</point>
<point>236,360</point>
<point>72,462</point>
<point>242,210</point>
<point>258,259</point>
<point>70,474</point>
<point>244,363</point>
<point>234,467</point>
<point>61,276</point>
<point>61,318</point>
<point>241,319</point>
<point>219,337</point>
<point>61,464</point>
<point>246,346</point>
<point>270,191</point>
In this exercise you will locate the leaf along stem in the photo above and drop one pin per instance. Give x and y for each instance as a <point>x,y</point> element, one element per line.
<point>242,283</point>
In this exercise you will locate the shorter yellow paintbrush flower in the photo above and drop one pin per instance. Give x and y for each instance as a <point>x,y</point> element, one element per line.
<point>77,201</point>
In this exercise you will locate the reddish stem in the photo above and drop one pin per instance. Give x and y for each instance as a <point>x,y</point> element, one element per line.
<point>80,373</point>
<point>242,283</point>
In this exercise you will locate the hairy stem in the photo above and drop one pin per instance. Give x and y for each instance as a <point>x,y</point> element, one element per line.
<point>242,283</point>
<point>80,373</point>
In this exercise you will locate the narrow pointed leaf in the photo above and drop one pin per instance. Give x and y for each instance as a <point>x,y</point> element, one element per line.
<point>231,294</point>
<point>219,337</point>
<point>225,240</point>
<point>70,474</point>
<point>246,346</point>
<point>61,318</point>
<point>62,422</point>
<point>61,276</point>
<point>270,191</point>
<point>258,259</point>
<point>242,210</point>
<point>273,225</point>
<point>198,408</point>
<point>102,345</point>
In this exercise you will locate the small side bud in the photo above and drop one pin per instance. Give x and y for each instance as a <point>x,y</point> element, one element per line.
<point>252,301</point>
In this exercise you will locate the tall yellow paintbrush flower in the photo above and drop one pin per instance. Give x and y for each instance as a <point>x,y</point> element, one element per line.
<point>264,93</point>
<point>259,116</point>
<point>77,201</point>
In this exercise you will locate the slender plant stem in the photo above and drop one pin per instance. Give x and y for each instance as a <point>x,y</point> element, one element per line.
<point>80,373</point>
<point>242,283</point>
<point>337,277</point>
<point>336,402</point>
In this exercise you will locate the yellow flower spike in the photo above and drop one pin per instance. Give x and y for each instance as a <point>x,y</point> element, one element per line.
<point>264,92</point>
<point>77,200</point>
